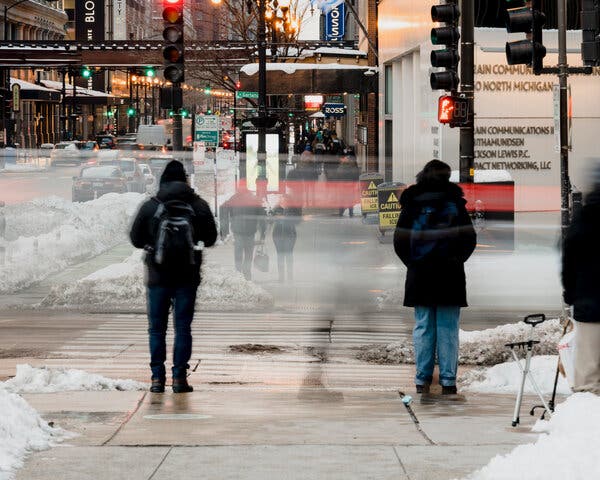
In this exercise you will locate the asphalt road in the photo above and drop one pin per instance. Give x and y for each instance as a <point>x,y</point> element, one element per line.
<point>22,187</point>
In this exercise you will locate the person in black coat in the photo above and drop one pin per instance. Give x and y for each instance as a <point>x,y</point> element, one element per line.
<point>434,237</point>
<point>285,219</point>
<point>170,284</point>
<point>581,283</point>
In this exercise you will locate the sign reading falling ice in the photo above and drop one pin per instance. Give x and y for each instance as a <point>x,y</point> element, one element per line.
<point>388,195</point>
<point>368,192</point>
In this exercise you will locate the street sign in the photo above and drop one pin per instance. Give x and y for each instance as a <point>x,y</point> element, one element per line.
<point>253,95</point>
<point>207,129</point>
<point>16,95</point>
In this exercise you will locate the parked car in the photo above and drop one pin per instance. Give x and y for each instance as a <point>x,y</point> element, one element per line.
<point>148,175</point>
<point>65,153</point>
<point>95,181</point>
<point>136,181</point>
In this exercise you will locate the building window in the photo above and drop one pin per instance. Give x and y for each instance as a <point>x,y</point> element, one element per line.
<point>491,14</point>
<point>389,90</point>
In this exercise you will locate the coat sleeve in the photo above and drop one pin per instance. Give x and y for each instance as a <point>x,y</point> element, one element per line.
<point>205,228</point>
<point>467,236</point>
<point>140,229</point>
<point>571,248</point>
<point>402,235</point>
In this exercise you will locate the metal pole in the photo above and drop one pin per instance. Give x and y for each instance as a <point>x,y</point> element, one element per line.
<point>235,123</point>
<point>261,177</point>
<point>177,131</point>
<point>467,80</point>
<point>63,107</point>
<point>563,75</point>
<point>73,109</point>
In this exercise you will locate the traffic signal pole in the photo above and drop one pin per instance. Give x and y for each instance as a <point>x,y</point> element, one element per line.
<point>563,75</point>
<point>261,174</point>
<point>467,83</point>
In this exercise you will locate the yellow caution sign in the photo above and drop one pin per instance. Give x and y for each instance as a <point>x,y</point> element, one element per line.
<point>368,192</point>
<point>389,206</point>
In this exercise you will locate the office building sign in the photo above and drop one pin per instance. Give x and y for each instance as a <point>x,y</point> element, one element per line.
<point>335,23</point>
<point>120,20</point>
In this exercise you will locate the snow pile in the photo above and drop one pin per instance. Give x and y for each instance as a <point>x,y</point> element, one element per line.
<point>506,377</point>
<point>121,286</point>
<point>22,167</point>
<point>566,449</point>
<point>482,347</point>
<point>50,234</point>
<point>22,431</point>
<point>49,380</point>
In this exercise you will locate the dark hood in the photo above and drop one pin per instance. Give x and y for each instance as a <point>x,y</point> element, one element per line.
<point>176,191</point>
<point>448,189</point>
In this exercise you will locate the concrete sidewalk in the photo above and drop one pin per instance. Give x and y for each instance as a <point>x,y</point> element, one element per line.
<point>240,432</point>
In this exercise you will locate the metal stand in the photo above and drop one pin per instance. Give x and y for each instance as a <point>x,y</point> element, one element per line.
<point>532,320</point>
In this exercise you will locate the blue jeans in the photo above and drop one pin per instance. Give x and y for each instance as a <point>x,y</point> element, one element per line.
<point>436,328</point>
<point>160,299</point>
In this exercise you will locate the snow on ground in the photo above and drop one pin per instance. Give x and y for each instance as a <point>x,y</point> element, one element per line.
<point>30,379</point>
<point>22,431</point>
<point>567,447</point>
<point>483,347</point>
<point>46,235</point>
<point>121,286</point>
<point>506,377</point>
<point>22,167</point>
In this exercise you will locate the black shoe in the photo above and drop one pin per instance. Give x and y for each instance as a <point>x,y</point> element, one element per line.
<point>422,388</point>
<point>158,385</point>
<point>451,390</point>
<point>180,385</point>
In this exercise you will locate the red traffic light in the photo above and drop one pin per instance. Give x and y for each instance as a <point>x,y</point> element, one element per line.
<point>174,2</point>
<point>173,15</point>
<point>453,110</point>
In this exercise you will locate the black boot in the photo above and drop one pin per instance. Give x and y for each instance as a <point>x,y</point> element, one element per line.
<point>181,385</point>
<point>451,390</point>
<point>423,388</point>
<point>158,385</point>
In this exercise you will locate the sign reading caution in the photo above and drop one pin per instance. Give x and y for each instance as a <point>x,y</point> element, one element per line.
<point>388,204</point>
<point>368,192</point>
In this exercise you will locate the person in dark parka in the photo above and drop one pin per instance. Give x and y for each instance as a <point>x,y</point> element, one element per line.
<point>172,284</point>
<point>435,280</point>
<point>285,217</point>
<point>581,283</point>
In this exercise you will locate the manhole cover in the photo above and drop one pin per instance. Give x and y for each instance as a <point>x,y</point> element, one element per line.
<point>177,416</point>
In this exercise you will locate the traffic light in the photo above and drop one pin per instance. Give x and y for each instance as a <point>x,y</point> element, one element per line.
<point>131,112</point>
<point>149,72</point>
<point>526,18</point>
<point>184,113</point>
<point>85,72</point>
<point>447,35</point>
<point>590,26</point>
<point>173,35</point>
<point>207,90</point>
<point>453,110</point>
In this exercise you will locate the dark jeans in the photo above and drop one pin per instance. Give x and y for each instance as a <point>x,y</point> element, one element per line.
<point>285,258</point>
<point>160,299</point>
<point>243,251</point>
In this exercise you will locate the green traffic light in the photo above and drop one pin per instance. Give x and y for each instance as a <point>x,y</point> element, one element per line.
<point>130,112</point>
<point>86,72</point>
<point>209,111</point>
<point>184,113</point>
<point>171,113</point>
<point>150,72</point>
<point>207,90</point>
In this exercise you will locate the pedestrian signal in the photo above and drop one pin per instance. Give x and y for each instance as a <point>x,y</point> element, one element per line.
<point>453,110</point>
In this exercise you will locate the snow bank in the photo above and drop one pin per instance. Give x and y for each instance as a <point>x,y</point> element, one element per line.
<point>481,347</point>
<point>22,431</point>
<point>506,377</point>
<point>566,449</point>
<point>121,286</point>
<point>22,167</point>
<point>47,235</point>
<point>30,379</point>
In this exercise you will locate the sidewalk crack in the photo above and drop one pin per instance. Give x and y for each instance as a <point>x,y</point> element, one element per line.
<point>414,418</point>
<point>401,464</point>
<point>129,416</point>
<point>160,464</point>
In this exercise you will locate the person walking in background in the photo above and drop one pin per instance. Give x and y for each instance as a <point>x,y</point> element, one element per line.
<point>347,174</point>
<point>169,227</point>
<point>434,237</point>
<point>285,218</point>
<point>309,173</point>
<point>243,215</point>
<point>581,283</point>
<point>2,234</point>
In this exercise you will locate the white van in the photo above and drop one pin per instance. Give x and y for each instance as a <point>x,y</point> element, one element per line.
<point>151,136</point>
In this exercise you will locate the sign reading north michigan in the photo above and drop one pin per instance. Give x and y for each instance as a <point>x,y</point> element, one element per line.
<point>368,192</point>
<point>389,205</point>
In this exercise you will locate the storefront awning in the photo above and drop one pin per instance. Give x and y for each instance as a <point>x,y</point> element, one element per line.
<point>306,78</point>
<point>84,96</point>
<point>33,92</point>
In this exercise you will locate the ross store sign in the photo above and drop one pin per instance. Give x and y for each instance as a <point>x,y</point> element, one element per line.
<point>313,102</point>
<point>335,23</point>
<point>334,109</point>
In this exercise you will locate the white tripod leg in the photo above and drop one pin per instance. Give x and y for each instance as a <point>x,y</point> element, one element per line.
<point>515,420</point>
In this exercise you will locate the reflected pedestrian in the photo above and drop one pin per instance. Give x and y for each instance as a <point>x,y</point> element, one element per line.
<point>581,283</point>
<point>285,219</point>
<point>169,227</point>
<point>434,237</point>
<point>348,174</point>
<point>244,215</point>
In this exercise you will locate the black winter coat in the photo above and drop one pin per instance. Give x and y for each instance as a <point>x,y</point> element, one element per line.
<point>284,227</point>
<point>144,228</point>
<point>581,262</point>
<point>243,215</point>
<point>434,281</point>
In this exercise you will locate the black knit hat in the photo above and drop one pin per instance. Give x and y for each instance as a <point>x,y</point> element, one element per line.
<point>174,172</point>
